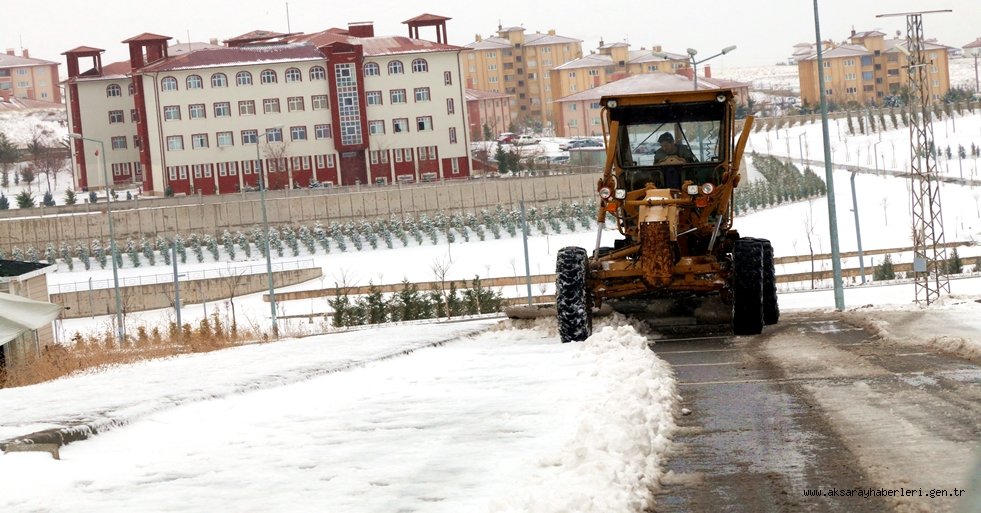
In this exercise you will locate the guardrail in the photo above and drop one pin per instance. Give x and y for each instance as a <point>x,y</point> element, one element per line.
<point>207,274</point>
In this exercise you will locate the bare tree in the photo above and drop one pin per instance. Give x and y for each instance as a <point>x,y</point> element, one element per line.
<point>809,232</point>
<point>276,155</point>
<point>885,210</point>
<point>440,269</point>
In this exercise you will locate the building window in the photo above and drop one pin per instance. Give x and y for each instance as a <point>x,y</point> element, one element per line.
<point>195,82</point>
<point>268,76</point>
<point>397,95</point>
<point>250,136</point>
<point>492,80</point>
<point>455,165</point>
<point>322,131</point>
<point>319,102</point>
<point>492,67</point>
<point>573,107</point>
<point>294,103</point>
<point>119,143</point>
<point>318,73</point>
<point>172,113</point>
<point>395,68</point>
<point>400,125</point>
<point>134,116</point>
<point>270,105</point>
<point>849,62</point>
<point>243,78</point>
<point>293,75</point>
<point>274,134</point>
<point>219,80</point>
<point>450,107</point>
<point>849,76</point>
<point>422,94</point>
<point>223,110</point>
<point>136,141</point>
<point>130,88</point>
<point>376,127</point>
<point>866,60</point>
<point>447,78</point>
<point>199,141</point>
<point>224,139</point>
<point>168,84</point>
<point>593,72</point>
<point>175,142</point>
<point>373,97</point>
<point>420,66</point>
<point>348,105</point>
<point>298,133</point>
<point>113,90</point>
<point>406,154</point>
<point>828,92</point>
<point>379,157</point>
<point>452,135</point>
<point>196,111</point>
<point>867,76</point>
<point>246,108</point>
<point>827,64</point>
<point>116,116</point>
<point>424,123</point>
<point>371,69</point>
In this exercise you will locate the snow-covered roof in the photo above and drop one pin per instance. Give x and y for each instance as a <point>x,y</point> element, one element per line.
<point>974,44</point>
<point>232,56</point>
<point>13,61</point>
<point>490,43</point>
<point>548,39</point>
<point>655,82</point>
<point>375,46</point>
<point>593,60</point>
<point>477,94</point>
<point>840,51</point>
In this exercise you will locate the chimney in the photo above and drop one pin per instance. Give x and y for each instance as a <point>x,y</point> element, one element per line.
<point>686,72</point>
<point>707,73</point>
<point>213,41</point>
<point>551,32</point>
<point>10,51</point>
<point>27,54</point>
<point>477,37</point>
<point>656,48</point>
<point>361,29</point>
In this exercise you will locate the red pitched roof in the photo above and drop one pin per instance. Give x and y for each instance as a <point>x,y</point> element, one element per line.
<point>146,36</point>
<point>83,50</point>
<point>384,45</point>
<point>117,68</point>
<point>427,17</point>
<point>227,56</point>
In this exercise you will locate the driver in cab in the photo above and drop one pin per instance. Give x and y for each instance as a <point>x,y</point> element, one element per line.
<point>671,153</point>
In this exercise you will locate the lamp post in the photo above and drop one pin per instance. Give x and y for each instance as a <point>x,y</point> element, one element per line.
<point>263,183</point>
<point>828,173</point>
<point>694,65</point>
<point>120,328</point>
<point>976,52</point>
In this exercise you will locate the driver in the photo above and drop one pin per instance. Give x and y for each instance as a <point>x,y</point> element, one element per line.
<point>672,174</point>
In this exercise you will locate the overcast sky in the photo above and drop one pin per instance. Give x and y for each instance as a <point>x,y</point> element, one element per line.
<point>763,30</point>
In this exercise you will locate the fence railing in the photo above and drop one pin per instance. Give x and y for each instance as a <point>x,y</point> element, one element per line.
<point>206,274</point>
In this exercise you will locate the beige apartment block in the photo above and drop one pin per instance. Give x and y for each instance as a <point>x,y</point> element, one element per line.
<point>520,65</point>
<point>27,78</point>
<point>868,69</point>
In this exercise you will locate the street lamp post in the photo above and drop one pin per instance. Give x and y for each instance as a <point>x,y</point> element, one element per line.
<point>694,65</point>
<point>120,327</point>
<point>263,183</point>
<point>976,52</point>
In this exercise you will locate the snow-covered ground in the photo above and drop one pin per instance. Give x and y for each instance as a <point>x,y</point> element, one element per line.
<point>503,420</point>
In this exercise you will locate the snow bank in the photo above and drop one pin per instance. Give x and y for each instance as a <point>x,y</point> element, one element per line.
<point>613,463</point>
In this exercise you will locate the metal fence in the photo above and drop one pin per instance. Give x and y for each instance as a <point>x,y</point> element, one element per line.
<point>228,271</point>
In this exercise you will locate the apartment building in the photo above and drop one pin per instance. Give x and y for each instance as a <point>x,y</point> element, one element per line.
<point>613,62</point>
<point>27,78</point>
<point>519,64</point>
<point>340,106</point>
<point>490,109</point>
<point>868,69</point>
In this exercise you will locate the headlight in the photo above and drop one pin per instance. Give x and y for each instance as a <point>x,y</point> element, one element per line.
<point>720,98</point>
<point>605,193</point>
<point>612,104</point>
<point>692,190</point>
<point>620,194</point>
<point>707,188</point>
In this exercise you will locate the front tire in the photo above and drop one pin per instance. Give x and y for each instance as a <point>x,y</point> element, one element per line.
<point>747,287</point>
<point>771,309</point>
<point>573,308</point>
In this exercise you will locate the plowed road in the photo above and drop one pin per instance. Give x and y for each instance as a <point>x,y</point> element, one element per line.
<point>817,404</point>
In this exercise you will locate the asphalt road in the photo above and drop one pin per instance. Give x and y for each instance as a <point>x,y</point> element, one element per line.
<point>817,404</point>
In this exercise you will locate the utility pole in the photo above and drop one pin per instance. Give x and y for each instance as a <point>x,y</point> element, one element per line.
<point>929,253</point>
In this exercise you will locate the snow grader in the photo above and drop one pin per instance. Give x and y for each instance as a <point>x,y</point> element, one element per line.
<point>679,256</point>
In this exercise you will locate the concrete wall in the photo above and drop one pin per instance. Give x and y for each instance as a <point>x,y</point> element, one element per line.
<point>161,295</point>
<point>215,214</point>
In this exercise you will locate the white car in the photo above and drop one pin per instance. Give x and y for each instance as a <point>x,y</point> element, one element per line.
<point>526,139</point>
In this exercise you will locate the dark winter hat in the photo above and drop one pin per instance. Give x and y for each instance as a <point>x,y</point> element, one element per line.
<point>666,137</point>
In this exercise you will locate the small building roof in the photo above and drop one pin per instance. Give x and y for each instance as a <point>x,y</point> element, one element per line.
<point>147,36</point>
<point>254,36</point>
<point>593,60</point>
<point>538,39</point>
<point>477,94</point>
<point>868,33</point>
<point>427,17</point>
<point>18,270</point>
<point>656,82</point>
<point>13,61</point>
<point>839,51</point>
<point>974,44</point>
<point>83,50</point>
<point>375,46</point>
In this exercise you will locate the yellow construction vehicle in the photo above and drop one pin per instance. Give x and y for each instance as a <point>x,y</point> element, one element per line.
<point>672,165</point>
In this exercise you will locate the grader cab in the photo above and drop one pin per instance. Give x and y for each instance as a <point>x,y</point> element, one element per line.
<point>672,165</point>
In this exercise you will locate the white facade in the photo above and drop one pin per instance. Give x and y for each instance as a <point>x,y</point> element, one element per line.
<point>107,111</point>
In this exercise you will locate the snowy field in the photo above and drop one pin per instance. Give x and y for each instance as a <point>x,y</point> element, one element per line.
<point>473,425</point>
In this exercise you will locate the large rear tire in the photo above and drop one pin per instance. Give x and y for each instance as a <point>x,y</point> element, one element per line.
<point>572,303</point>
<point>771,309</point>
<point>747,287</point>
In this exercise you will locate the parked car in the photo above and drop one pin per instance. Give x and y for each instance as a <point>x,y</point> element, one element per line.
<point>581,143</point>
<point>525,139</point>
<point>506,138</point>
